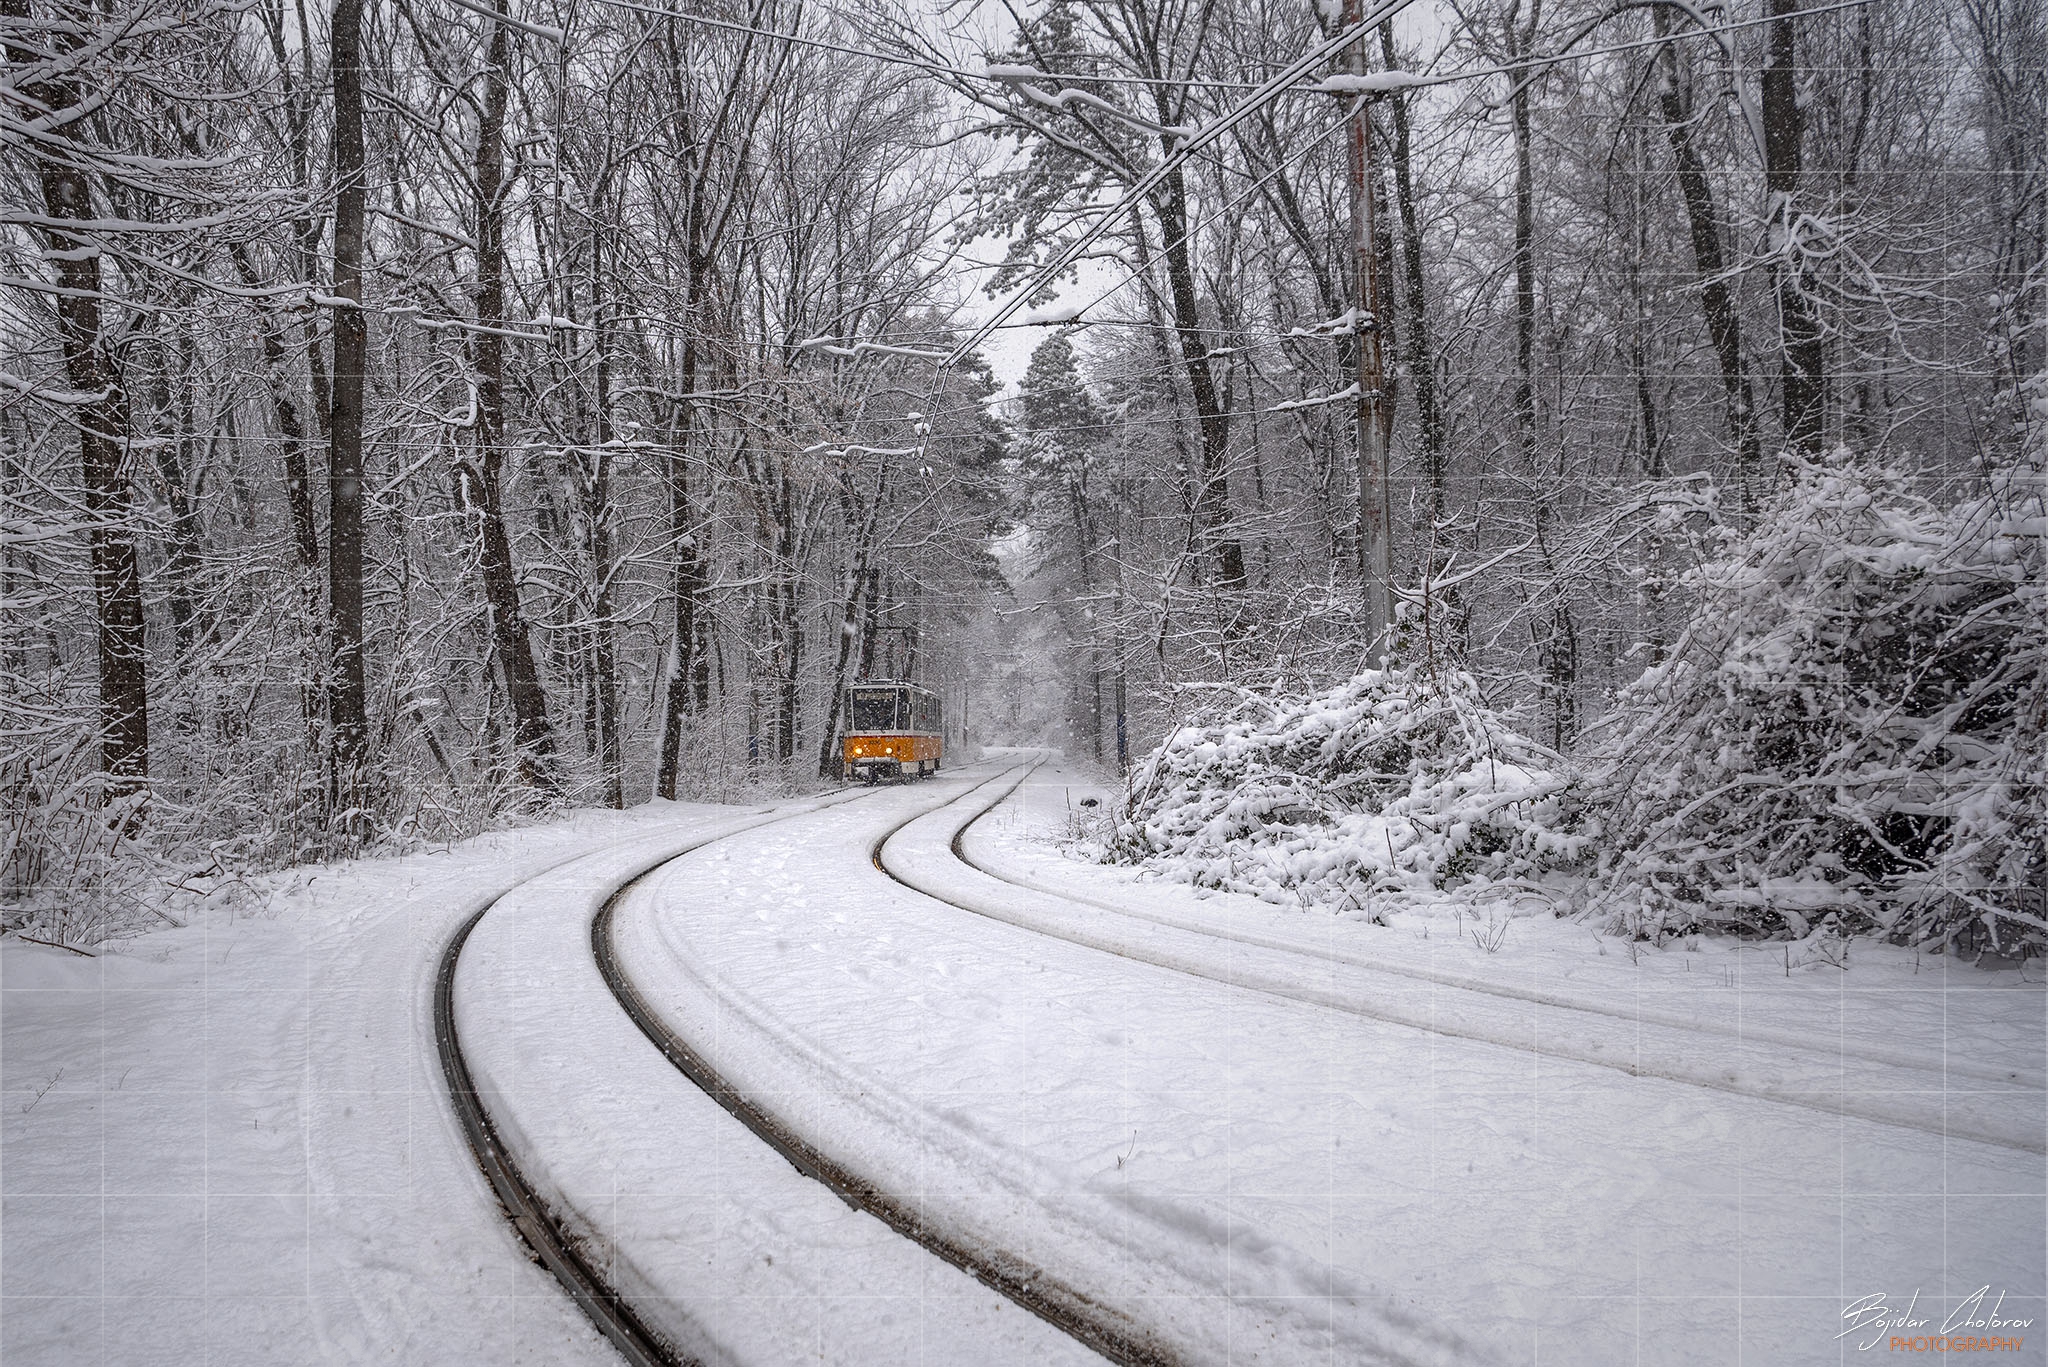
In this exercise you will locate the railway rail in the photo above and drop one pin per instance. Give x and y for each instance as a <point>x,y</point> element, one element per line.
<point>544,1232</point>
<point>637,1337</point>
<point>1069,1308</point>
<point>1928,1110</point>
<point>638,1343</point>
<point>1751,1034</point>
<point>1104,1329</point>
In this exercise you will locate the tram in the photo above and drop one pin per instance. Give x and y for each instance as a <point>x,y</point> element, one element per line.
<point>891,730</point>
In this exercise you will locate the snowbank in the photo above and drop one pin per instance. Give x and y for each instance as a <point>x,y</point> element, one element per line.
<point>1847,735</point>
<point>1398,780</point>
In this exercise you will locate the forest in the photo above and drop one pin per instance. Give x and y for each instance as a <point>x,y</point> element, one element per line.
<point>421,415</point>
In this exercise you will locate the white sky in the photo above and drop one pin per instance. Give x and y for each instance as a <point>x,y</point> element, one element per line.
<point>1009,349</point>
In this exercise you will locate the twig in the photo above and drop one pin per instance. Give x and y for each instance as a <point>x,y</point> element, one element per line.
<point>46,1088</point>
<point>52,944</point>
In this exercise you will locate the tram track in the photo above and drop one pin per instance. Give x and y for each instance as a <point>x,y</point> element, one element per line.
<point>1955,1068</point>
<point>1113,1334</point>
<point>545,1233</point>
<point>1110,1333</point>
<point>565,1253</point>
<point>1118,1323</point>
<point>1982,1127</point>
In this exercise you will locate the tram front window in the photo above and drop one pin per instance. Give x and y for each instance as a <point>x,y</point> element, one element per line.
<point>871,709</point>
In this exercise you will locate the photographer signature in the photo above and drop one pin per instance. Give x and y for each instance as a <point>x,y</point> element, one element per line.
<point>1873,1318</point>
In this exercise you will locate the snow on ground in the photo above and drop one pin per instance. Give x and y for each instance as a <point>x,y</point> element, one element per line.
<point>725,1247</point>
<point>1892,1004</point>
<point>1944,1219</point>
<point>1272,1180</point>
<point>231,1143</point>
<point>1847,1071</point>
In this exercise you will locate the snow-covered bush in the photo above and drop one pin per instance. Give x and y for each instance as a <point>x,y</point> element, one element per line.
<point>1396,780</point>
<point>1850,724</point>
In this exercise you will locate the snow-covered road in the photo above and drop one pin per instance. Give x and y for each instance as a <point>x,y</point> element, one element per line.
<point>1211,1128</point>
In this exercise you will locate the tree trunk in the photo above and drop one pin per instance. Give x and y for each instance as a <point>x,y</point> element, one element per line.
<point>1649,442</point>
<point>689,673</point>
<point>184,558</point>
<point>604,632</point>
<point>1084,538</point>
<point>1212,481</point>
<point>1374,536</point>
<point>1525,244</point>
<point>1550,621</point>
<point>1802,376</point>
<point>860,524</point>
<point>1724,323</point>
<point>789,660</point>
<point>1155,310</point>
<point>347,724</point>
<point>830,762</point>
<point>1419,355</point>
<point>483,487</point>
<point>296,449</point>
<point>102,422</point>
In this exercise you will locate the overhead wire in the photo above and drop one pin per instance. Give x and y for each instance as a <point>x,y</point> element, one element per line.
<point>904,60</point>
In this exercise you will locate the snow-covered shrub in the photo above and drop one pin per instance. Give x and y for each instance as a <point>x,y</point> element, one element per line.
<point>72,869</point>
<point>1396,780</point>
<point>1850,724</point>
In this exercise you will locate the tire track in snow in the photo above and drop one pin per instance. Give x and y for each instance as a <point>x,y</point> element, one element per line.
<point>1937,1119</point>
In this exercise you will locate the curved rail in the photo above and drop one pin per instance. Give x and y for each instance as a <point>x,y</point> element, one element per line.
<point>640,1342</point>
<point>636,1341</point>
<point>557,1249</point>
<point>1065,1307</point>
<point>1745,1033</point>
<point>1944,1124</point>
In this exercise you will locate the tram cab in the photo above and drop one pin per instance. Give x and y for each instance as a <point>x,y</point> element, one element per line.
<point>891,730</point>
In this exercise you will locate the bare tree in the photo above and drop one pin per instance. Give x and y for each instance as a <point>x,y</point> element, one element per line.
<point>52,54</point>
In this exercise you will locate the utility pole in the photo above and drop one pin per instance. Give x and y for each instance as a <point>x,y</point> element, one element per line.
<point>1375,515</point>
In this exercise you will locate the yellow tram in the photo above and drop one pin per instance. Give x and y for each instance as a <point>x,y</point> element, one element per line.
<point>891,730</point>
